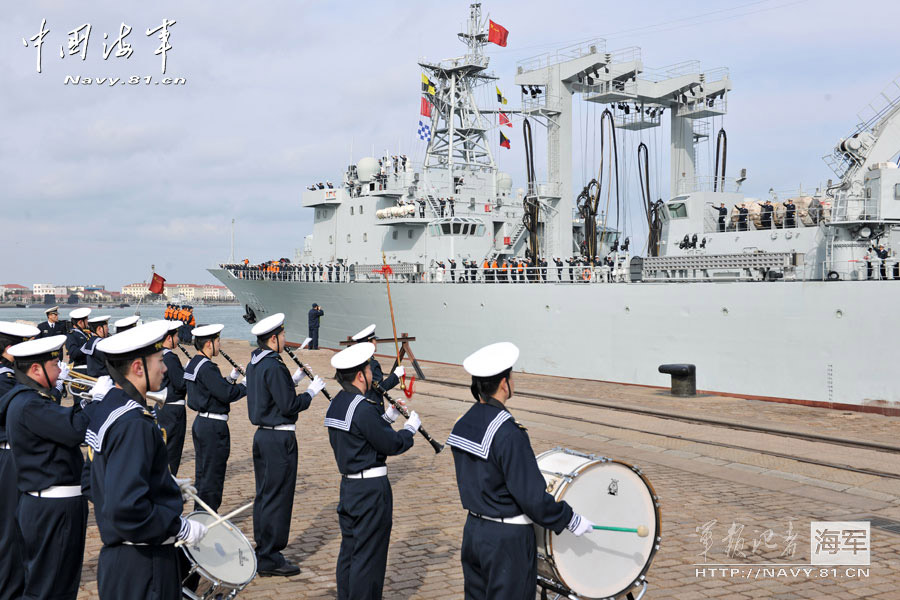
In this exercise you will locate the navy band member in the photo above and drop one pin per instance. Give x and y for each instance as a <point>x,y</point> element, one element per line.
<point>501,486</point>
<point>126,323</point>
<point>172,416</point>
<point>96,362</point>
<point>12,580</point>
<point>362,438</point>
<point>368,335</point>
<point>76,338</point>
<point>211,396</point>
<point>137,502</point>
<point>52,326</point>
<point>273,405</point>
<point>45,439</point>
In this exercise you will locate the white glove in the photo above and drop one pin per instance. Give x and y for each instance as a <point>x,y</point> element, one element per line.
<point>315,386</point>
<point>234,375</point>
<point>399,371</point>
<point>188,491</point>
<point>580,525</point>
<point>413,422</point>
<point>391,414</point>
<point>298,376</point>
<point>191,532</point>
<point>101,388</point>
<point>63,373</point>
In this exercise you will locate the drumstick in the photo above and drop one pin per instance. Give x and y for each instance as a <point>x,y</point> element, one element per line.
<point>641,530</point>
<point>219,520</point>
<point>207,508</point>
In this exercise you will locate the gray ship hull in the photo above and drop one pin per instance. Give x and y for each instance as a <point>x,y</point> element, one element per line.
<point>829,343</point>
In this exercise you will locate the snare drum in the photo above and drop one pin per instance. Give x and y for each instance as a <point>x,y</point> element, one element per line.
<point>599,564</point>
<point>224,560</point>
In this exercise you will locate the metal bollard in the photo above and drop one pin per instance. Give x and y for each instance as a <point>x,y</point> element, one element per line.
<point>684,379</point>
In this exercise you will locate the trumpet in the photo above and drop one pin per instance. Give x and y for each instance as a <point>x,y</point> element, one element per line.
<point>79,388</point>
<point>79,375</point>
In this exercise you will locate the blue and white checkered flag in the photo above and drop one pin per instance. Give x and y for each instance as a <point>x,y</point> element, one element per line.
<point>424,131</point>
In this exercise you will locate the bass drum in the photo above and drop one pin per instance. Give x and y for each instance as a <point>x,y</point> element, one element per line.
<point>599,564</point>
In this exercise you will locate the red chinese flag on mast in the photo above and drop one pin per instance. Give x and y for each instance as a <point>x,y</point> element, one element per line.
<point>157,284</point>
<point>497,34</point>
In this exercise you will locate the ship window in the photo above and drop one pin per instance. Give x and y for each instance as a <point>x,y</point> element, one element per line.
<point>457,228</point>
<point>409,233</point>
<point>348,238</point>
<point>897,191</point>
<point>480,231</point>
<point>677,210</point>
<point>445,228</point>
<point>365,237</point>
<point>360,209</point>
<point>394,234</point>
<point>351,211</point>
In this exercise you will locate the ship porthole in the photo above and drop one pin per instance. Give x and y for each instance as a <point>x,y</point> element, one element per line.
<point>627,309</point>
<point>482,305</point>
<point>839,313</point>
<point>445,305</point>
<point>547,307</point>
<point>724,311</point>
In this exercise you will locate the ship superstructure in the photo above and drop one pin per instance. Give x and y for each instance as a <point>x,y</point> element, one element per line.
<point>799,283</point>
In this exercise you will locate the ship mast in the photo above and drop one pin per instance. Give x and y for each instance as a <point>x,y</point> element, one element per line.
<point>459,130</point>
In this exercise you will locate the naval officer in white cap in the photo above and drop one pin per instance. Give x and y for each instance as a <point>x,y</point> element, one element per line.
<point>137,502</point>
<point>368,335</point>
<point>362,438</point>
<point>51,326</point>
<point>172,416</point>
<point>45,439</point>
<point>273,404</point>
<point>77,336</point>
<point>501,486</point>
<point>96,362</point>
<point>12,580</point>
<point>211,396</point>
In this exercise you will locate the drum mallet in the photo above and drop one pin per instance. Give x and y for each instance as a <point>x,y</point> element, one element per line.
<point>641,530</point>
<point>207,508</point>
<point>220,520</point>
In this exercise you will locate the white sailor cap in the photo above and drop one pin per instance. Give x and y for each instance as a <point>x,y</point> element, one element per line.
<point>268,325</point>
<point>17,331</point>
<point>79,313</point>
<point>354,357</point>
<point>491,360</point>
<point>126,323</point>
<point>142,340</point>
<point>39,350</point>
<point>365,334</point>
<point>97,320</point>
<point>207,330</point>
<point>173,325</point>
<point>51,310</point>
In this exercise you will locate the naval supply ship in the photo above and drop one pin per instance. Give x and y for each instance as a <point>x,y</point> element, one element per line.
<point>794,299</point>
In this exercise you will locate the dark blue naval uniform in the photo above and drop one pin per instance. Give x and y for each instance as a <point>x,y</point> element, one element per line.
<point>386,383</point>
<point>48,329</point>
<point>172,417</point>
<point>96,360</point>
<point>314,315</point>
<point>45,440</point>
<point>210,394</point>
<point>362,438</point>
<point>12,572</point>
<point>498,477</point>
<point>136,502</point>
<point>272,402</point>
<point>74,341</point>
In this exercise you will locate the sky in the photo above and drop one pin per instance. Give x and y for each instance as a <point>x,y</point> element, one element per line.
<point>100,182</point>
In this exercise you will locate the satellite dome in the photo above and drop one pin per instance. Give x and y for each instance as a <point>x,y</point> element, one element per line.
<point>366,168</point>
<point>504,181</point>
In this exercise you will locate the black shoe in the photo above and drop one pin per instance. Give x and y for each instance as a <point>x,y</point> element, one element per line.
<point>286,570</point>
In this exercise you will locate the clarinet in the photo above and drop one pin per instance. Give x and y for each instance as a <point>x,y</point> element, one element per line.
<point>305,370</point>
<point>233,364</point>
<point>434,443</point>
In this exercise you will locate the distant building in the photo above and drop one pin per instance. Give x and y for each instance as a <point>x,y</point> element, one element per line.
<point>43,289</point>
<point>13,292</point>
<point>188,292</point>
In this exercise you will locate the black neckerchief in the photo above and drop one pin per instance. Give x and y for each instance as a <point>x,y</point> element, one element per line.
<point>496,404</point>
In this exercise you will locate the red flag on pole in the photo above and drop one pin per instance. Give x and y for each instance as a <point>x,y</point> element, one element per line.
<point>157,284</point>
<point>425,111</point>
<point>504,120</point>
<point>497,34</point>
